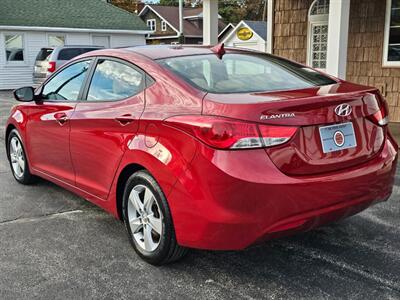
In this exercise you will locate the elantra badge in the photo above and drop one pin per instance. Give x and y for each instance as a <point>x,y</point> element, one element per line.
<point>343,110</point>
<point>277,116</point>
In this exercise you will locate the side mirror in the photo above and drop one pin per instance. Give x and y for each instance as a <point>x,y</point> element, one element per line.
<point>24,94</point>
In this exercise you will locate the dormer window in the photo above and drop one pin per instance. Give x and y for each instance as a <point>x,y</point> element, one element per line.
<point>163,26</point>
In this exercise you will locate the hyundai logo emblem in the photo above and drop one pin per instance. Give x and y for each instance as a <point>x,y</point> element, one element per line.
<point>343,110</point>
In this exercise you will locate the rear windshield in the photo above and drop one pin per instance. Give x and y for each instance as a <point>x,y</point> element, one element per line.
<point>69,53</point>
<point>244,73</point>
<point>43,54</point>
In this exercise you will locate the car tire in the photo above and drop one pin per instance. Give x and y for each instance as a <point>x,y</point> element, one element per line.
<point>17,158</point>
<point>149,222</point>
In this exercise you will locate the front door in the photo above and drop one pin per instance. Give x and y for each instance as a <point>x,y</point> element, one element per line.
<point>103,125</point>
<point>49,126</point>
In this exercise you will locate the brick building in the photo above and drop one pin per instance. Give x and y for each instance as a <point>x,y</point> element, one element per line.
<point>358,40</point>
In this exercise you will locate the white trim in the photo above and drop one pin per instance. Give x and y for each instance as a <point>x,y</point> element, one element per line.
<point>67,29</point>
<point>388,15</point>
<point>223,30</point>
<point>153,21</point>
<point>162,37</point>
<point>199,16</point>
<point>239,26</point>
<point>210,22</point>
<point>270,27</point>
<point>318,20</point>
<point>24,53</point>
<point>161,17</point>
<point>338,38</point>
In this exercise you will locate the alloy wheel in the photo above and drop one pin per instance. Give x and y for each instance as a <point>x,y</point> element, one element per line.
<point>17,157</point>
<point>145,218</point>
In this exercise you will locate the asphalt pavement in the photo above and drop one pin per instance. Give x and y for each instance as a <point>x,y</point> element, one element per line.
<point>55,245</point>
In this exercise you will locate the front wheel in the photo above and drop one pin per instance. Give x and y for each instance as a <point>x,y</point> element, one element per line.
<point>148,220</point>
<point>17,158</point>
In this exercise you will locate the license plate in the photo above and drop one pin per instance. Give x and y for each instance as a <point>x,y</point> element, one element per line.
<point>337,137</point>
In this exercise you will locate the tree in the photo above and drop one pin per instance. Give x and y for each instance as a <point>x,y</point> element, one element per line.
<point>254,9</point>
<point>232,11</point>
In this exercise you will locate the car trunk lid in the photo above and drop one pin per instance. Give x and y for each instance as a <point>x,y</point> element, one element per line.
<point>311,110</point>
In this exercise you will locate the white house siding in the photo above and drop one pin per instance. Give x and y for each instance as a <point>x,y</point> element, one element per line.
<point>17,74</point>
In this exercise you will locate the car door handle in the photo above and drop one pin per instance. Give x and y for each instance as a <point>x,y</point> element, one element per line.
<point>125,119</point>
<point>61,118</point>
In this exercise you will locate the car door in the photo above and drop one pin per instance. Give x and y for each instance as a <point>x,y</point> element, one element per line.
<point>48,125</point>
<point>103,125</point>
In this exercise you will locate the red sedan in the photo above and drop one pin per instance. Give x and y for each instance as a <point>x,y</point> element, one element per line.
<point>199,147</point>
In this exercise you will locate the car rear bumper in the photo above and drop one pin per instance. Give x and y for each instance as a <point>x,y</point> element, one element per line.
<point>230,200</point>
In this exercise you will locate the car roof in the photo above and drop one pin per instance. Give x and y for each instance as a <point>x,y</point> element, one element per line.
<point>166,51</point>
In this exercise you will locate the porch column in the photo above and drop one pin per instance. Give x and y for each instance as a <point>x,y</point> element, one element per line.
<point>338,32</point>
<point>210,22</point>
<point>270,26</point>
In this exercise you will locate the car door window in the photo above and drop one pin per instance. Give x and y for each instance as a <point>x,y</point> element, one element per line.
<point>66,84</point>
<point>114,80</point>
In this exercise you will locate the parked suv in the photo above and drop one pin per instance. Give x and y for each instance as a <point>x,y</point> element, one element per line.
<point>49,59</point>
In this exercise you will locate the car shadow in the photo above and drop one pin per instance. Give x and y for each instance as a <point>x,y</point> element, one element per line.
<point>351,258</point>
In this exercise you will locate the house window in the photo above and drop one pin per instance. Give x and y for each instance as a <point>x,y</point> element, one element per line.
<point>320,8</point>
<point>56,40</point>
<point>391,53</point>
<point>163,26</point>
<point>318,34</point>
<point>151,24</point>
<point>14,44</point>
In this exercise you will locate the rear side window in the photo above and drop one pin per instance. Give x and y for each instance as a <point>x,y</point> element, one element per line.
<point>244,73</point>
<point>43,54</point>
<point>68,53</point>
<point>114,80</point>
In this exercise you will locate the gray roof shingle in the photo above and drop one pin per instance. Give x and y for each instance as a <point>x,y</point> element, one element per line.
<point>260,27</point>
<point>89,14</point>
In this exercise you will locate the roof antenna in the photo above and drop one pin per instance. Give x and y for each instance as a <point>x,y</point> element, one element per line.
<point>219,50</point>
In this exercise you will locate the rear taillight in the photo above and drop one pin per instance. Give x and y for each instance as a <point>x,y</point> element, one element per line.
<point>276,135</point>
<point>381,117</point>
<point>224,133</point>
<point>52,67</point>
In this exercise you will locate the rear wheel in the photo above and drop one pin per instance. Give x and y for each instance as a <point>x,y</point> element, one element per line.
<point>148,220</point>
<point>17,158</point>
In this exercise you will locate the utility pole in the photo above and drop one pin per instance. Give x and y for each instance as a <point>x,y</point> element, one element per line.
<point>181,36</point>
